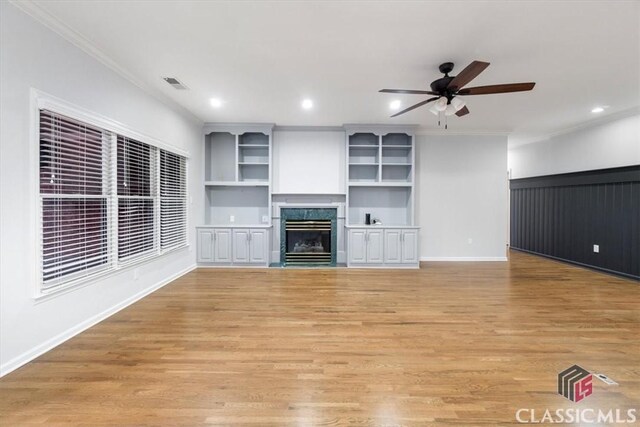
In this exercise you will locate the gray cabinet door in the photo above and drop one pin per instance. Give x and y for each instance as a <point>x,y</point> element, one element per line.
<point>241,245</point>
<point>205,245</point>
<point>258,246</point>
<point>410,246</point>
<point>393,246</point>
<point>375,244</point>
<point>222,245</point>
<point>357,246</point>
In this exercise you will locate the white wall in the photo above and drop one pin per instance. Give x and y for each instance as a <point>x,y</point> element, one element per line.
<point>462,195</point>
<point>309,162</point>
<point>31,56</point>
<point>610,144</point>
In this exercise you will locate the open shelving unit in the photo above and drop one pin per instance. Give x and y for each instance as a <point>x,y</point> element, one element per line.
<point>237,175</point>
<point>380,174</point>
<point>380,182</point>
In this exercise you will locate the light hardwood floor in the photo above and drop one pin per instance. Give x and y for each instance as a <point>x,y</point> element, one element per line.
<point>451,344</point>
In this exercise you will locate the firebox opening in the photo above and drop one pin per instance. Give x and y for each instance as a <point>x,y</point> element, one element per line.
<point>308,242</point>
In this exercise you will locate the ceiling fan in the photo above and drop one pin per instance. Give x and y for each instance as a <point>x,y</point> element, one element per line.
<point>446,90</point>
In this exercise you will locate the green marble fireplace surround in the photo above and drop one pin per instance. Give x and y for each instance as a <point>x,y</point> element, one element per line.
<point>309,214</point>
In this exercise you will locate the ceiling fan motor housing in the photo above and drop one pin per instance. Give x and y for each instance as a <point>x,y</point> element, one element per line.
<point>441,84</point>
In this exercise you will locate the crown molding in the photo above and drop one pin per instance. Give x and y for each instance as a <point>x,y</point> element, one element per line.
<point>237,128</point>
<point>295,128</point>
<point>599,121</point>
<point>78,40</point>
<point>454,132</point>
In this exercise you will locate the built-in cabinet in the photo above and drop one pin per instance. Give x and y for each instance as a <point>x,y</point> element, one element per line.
<point>375,246</point>
<point>233,246</point>
<point>237,184</point>
<point>365,246</point>
<point>401,246</point>
<point>380,182</point>
<point>380,175</point>
<point>250,246</point>
<point>214,245</point>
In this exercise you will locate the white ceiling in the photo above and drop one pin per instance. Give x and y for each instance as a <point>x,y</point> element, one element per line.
<point>263,58</point>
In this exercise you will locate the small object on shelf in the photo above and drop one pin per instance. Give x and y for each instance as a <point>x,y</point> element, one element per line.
<point>376,221</point>
<point>367,219</point>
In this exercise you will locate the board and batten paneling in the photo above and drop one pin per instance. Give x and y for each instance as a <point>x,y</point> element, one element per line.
<point>564,216</point>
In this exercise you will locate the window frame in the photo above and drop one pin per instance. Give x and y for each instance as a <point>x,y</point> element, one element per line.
<point>43,101</point>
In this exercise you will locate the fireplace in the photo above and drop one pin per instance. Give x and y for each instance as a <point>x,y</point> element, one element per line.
<point>308,237</point>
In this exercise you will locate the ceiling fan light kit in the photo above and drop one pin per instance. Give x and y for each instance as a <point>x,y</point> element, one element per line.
<point>450,111</point>
<point>441,103</point>
<point>458,104</point>
<point>447,89</point>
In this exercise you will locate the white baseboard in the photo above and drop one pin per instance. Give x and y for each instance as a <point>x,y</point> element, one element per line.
<point>463,258</point>
<point>40,349</point>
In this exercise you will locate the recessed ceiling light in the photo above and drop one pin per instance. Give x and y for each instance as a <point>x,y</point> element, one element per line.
<point>307,104</point>
<point>597,110</point>
<point>216,102</point>
<point>395,105</point>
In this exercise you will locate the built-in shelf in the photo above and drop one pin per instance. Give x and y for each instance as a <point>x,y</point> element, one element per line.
<point>380,173</point>
<point>379,184</point>
<point>236,184</point>
<point>397,139</point>
<point>237,176</point>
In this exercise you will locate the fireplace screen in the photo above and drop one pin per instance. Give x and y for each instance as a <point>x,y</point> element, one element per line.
<point>308,242</point>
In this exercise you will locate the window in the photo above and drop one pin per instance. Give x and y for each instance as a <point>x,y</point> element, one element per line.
<point>173,200</point>
<point>136,198</point>
<point>74,189</point>
<point>106,200</point>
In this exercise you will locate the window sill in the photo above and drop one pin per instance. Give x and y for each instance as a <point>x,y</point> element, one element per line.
<point>45,295</point>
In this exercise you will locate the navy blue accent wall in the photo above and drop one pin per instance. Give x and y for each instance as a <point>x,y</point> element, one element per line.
<point>563,216</point>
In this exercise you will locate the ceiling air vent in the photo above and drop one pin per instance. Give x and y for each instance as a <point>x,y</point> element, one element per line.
<point>175,83</point>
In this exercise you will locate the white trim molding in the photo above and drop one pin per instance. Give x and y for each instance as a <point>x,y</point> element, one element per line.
<point>42,100</point>
<point>40,349</point>
<point>423,131</point>
<point>525,140</point>
<point>53,23</point>
<point>465,259</point>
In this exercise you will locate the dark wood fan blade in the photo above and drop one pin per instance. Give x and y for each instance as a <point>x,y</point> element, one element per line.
<point>409,91</point>
<point>468,74</point>
<point>462,112</point>
<point>505,88</point>
<point>419,104</point>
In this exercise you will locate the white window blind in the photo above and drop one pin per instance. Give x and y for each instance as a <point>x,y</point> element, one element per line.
<point>106,200</point>
<point>74,189</point>
<point>137,191</point>
<point>173,200</point>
